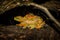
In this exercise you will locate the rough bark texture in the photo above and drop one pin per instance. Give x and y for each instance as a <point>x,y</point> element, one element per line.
<point>17,33</point>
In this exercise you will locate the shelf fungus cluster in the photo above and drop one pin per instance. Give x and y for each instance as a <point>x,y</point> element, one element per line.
<point>30,21</point>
